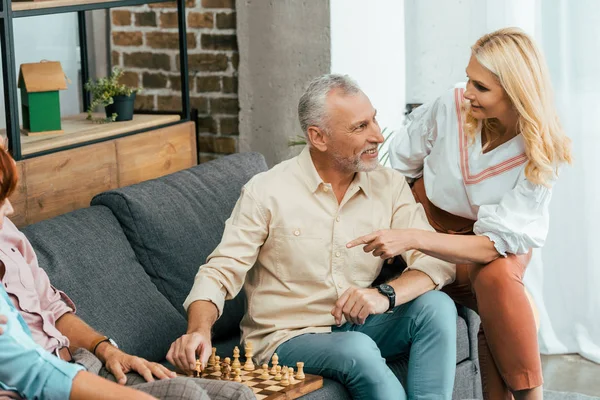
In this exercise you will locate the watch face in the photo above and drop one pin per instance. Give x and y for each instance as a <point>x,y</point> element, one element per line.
<point>386,289</point>
<point>113,343</point>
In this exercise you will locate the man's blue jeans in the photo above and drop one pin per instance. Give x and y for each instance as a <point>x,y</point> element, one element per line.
<point>355,355</point>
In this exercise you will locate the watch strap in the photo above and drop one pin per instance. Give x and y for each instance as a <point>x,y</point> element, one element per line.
<point>97,343</point>
<point>391,297</point>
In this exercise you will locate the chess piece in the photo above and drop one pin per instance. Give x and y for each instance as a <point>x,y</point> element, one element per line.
<point>300,374</point>
<point>291,376</point>
<point>249,365</point>
<point>274,362</point>
<point>278,373</point>
<point>227,360</point>
<point>237,377</point>
<point>265,372</point>
<point>198,368</point>
<point>285,381</point>
<point>236,358</point>
<point>211,359</point>
<point>224,373</point>
<point>217,364</point>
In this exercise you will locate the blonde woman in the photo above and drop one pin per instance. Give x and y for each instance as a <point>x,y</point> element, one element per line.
<point>485,157</point>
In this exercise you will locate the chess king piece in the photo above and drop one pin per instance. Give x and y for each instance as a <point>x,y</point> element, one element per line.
<point>300,374</point>
<point>236,358</point>
<point>274,362</point>
<point>211,359</point>
<point>265,372</point>
<point>249,365</point>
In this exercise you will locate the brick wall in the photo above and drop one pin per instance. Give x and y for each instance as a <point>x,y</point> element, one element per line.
<point>144,42</point>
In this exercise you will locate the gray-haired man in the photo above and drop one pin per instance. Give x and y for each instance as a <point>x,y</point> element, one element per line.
<point>309,295</point>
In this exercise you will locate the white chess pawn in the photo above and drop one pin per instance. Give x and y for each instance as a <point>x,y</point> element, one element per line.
<point>291,375</point>
<point>217,367</point>
<point>265,372</point>
<point>278,373</point>
<point>237,378</point>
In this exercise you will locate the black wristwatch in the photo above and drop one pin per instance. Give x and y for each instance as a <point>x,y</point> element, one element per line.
<point>390,293</point>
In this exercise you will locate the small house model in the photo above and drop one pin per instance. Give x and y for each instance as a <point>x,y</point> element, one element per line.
<point>40,104</point>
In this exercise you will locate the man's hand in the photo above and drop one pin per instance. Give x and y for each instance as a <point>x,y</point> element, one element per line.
<point>357,304</point>
<point>183,351</point>
<point>3,320</point>
<point>387,243</point>
<point>119,363</point>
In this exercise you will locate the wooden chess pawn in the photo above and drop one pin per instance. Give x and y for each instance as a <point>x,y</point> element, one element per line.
<point>217,364</point>
<point>274,362</point>
<point>278,373</point>
<point>300,374</point>
<point>225,375</point>
<point>285,381</point>
<point>198,368</point>
<point>237,377</point>
<point>249,365</point>
<point>211,359</point>
<point>227,360</point>
<point>265,372</point>
<point>236,358</point>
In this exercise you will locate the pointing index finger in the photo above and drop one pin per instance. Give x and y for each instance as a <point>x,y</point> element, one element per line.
<point>366,239</point>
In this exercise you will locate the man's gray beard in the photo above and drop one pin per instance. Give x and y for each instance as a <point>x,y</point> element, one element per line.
<point>354,164</point>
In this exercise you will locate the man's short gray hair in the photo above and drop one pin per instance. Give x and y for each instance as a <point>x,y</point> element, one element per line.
<point>311,108</point>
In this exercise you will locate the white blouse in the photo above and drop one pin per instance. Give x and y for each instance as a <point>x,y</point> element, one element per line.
<point>490,187</point>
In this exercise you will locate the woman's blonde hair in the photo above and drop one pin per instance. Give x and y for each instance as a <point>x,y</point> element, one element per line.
<point>512,56</point>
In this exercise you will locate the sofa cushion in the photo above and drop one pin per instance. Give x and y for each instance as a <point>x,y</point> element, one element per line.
<point>86,254</point>
<point>174,222</point>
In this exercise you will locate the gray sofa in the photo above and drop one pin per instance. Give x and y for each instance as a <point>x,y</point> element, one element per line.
<point>129,260</point>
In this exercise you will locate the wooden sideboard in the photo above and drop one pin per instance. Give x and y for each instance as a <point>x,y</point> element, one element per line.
<point>60,182</point>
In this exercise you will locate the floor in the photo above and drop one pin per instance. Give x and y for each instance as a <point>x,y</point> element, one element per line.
<point>571,373</point>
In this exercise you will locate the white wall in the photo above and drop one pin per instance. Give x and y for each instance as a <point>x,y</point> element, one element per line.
<point>438,43</point>
<point>49,37</point>
<point>367,43</point>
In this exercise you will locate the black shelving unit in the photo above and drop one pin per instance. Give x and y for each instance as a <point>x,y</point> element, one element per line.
<point>9,67</point>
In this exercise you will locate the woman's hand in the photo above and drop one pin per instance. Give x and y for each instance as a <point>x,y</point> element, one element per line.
<point>3,320</point>
<point>387,243</point>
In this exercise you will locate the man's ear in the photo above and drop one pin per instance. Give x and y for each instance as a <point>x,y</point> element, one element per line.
<point>317,137</point>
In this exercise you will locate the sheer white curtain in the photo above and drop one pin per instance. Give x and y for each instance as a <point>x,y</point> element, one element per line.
<point>564,278</point>
<point>568,287</point>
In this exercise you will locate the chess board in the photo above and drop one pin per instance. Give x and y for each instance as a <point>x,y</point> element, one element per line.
<point>270,389</point>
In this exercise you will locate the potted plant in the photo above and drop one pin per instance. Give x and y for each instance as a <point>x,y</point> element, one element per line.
<point>117,98</point>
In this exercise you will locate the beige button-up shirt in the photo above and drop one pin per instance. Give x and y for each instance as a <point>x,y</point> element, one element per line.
<point>285,244</point>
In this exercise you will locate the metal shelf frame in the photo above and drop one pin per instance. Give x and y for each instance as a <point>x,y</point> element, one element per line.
<point>9,67</point>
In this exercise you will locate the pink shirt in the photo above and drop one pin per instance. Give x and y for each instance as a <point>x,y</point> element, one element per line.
<point>29,288</point>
